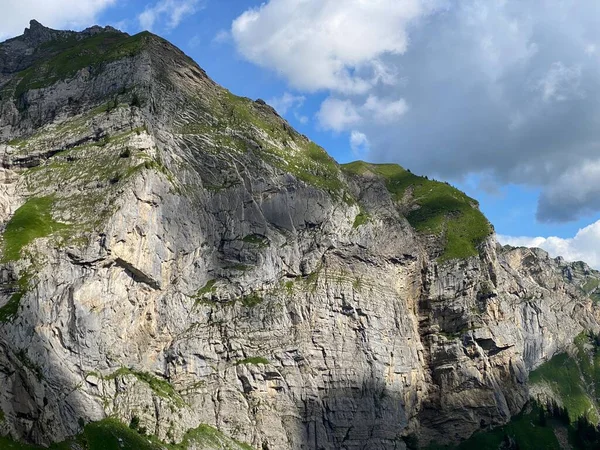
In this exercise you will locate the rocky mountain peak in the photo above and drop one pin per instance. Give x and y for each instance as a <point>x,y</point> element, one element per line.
<point>37,34</point>
<point>180,259</point>
<point>39,43</point>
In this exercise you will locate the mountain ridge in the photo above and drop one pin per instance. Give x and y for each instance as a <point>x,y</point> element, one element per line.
<point>188,258</point>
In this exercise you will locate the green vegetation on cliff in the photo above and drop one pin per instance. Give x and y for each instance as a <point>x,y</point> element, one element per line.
<point>31,221</point>
<point>160,387</point>
<point>9,311</point>
<point>440,209</point>
<point>239,124</point>
<point>300,157</point>
<point>112,434</point>
<point>63,58</point>
<point>574,380</point>
<point>537,427</point>
<point>254,360</point>
<point>524,432</point>
<point>568,409</point>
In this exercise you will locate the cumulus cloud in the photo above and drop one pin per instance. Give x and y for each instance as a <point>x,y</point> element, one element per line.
<point>51,13</point>
<point>328,44</point>
<point>499,88</point>
<point>385,110</point>
<point>172,12</point>
<point>576,192</point>
<point>584,246</point>
<point>359,143</point>
<point>285,102</point>
<point>339,115</point>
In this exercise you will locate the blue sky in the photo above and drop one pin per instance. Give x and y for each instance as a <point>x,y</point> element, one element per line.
<point>498,97</point>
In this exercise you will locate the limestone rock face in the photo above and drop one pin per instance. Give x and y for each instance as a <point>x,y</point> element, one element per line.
<point>178,254</point>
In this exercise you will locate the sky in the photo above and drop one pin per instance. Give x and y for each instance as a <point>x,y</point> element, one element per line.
<point>499,97</point>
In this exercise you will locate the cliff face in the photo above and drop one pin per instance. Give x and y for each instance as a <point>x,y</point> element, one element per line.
<point>180,255</point>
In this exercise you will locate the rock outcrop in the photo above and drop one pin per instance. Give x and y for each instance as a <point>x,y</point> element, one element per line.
<point>175,253</point>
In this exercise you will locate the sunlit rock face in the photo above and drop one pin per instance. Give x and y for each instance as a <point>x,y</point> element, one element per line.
<point>178,254</point>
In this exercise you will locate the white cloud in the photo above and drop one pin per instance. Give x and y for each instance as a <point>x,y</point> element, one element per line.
<point>285,102</point>
<point>339,115</point>
<point>560,83</point>
<point>500,40</point>
<point>584,246</point>
<point>171,11</point>
<point>222,37</point>
<point>501,88</point>
<point>51,13</point>
<point>328,44</point>
<point>359,143</point>
<point>385,110</point>
<point>575,192</point>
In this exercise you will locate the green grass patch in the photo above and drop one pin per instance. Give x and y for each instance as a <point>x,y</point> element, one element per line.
<point>109,434</point>
<point>95,176</point>
<point>9,311</point>
<point>360,219</point>
<point>251,300</point>
<point>112,434</point>
<point>575,380</point>
<point>159,386</point>
<point>6,443</point>
<point>255,360</point>
<point>207,437</point>
<point>562,373</point>
<point>65,57</point>
<point>279,145</point>
<point>442,209</point>
<point>256,239</point>
<point>31,221</point>
<point>208,288</point>
<point>591,285</point>
<point>289,287</point>
<point>525,429</point>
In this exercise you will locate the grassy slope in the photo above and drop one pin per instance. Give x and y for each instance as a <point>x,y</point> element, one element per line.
<point>63,58</point>
<point>524,429</point>
<point>94,173</point>
<point>111,434</point>
<point>574,380</point>
<point>31,221</point>
<point>442,209</point>
<point>231,122</point>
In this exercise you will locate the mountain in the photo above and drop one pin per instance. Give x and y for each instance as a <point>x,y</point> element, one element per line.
<point>181,267</point>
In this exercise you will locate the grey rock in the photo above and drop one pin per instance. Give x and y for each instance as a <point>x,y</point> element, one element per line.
<point>205,278</point>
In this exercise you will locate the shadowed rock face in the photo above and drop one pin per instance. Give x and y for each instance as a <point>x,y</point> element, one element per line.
<point>189,258</point>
